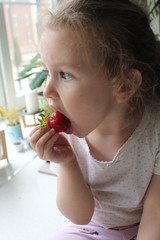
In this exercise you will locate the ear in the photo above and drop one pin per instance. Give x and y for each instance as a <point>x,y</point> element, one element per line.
<point>130,86</point>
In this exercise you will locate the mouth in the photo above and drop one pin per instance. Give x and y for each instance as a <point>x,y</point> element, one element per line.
<point>52,107</point>
<point>63,120</point>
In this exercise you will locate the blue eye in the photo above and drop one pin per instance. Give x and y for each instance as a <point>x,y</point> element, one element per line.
<point>66,75</point>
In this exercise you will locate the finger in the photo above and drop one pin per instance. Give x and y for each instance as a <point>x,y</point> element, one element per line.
<point>40,146</point>
<point>34,130</point>
<point>48,150</point>
<point>37,134</point>
<point>59,151</point>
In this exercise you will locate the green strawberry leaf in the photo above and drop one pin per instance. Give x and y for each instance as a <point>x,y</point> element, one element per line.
<point>43,119</point>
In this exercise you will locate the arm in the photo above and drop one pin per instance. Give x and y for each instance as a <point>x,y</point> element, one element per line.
<point>74,197</point>
<point>150,221</point>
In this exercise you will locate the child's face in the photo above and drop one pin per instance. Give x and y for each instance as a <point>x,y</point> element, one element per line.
<point>75,87</point>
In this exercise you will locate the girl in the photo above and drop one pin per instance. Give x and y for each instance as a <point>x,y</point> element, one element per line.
<point>102,62</point>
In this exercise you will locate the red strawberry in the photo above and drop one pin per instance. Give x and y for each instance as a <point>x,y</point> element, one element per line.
<point>57,121</point>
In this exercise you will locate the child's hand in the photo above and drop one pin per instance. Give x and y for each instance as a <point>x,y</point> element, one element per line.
<point>50,145</point>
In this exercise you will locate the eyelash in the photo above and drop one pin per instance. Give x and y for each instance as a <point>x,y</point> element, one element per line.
<point>62,74</point>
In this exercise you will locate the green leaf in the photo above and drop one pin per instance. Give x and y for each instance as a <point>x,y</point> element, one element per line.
<point>38,80</point>
<point>25,76</point>
<point>26,69</point>
<point>34,63</point>
<point>38,64</point>
<point>41,115</point>
<point>43,119</point>
<point>34,60</point>
<point>154,9</point>
<point>39,120</point>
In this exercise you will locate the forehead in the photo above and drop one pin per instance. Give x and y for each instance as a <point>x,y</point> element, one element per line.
<point>60,45</point>
<point>61,37</point>
<point>67,46</point>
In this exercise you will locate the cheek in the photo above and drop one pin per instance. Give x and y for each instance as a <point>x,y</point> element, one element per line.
<point>86,111</point>
<point>80,102</point>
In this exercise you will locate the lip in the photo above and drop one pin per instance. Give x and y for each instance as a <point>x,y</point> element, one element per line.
<point>56,109</point>
<point>52,107</point>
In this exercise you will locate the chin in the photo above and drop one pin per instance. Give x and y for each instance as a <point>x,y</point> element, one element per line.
<point>80,133</point>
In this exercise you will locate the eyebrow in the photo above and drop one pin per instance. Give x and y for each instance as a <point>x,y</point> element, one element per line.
<point>66,64</point>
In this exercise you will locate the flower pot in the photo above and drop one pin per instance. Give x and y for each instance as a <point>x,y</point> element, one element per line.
<point>14,132</point>
<point>19,145</point>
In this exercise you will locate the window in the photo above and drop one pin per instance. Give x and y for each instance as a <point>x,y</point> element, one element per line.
<point>19,41</point>
<point>15,20</point>
<point>26,20</point>
<point>29,37</point>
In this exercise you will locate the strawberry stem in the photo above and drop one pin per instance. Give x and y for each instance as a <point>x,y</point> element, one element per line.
<point>43,120</point>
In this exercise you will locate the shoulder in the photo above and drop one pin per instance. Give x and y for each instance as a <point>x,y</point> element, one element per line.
<point>152,142</point>
<point>147,134</point>
<point>152,120</point>
<point>154,123</point>
<point>155,112</point>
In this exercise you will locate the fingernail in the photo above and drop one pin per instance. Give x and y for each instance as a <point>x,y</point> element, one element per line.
<point>52,130</point>
<point>47,127</point>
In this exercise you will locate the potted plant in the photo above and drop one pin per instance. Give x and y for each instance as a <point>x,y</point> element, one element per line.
<point>29,70</point>
<point>152,7</point>
<point>35,71</point>
<point>2,114</point>
<point>11,116</point>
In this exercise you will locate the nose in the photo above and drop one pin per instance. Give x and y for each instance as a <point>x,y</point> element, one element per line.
<point>50,91</point>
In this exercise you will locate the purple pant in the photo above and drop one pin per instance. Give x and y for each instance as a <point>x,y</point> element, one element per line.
<point>92,231</point>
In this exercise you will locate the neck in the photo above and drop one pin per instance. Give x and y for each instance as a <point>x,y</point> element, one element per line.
<point>106,140</point>
<point>118,124</point>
